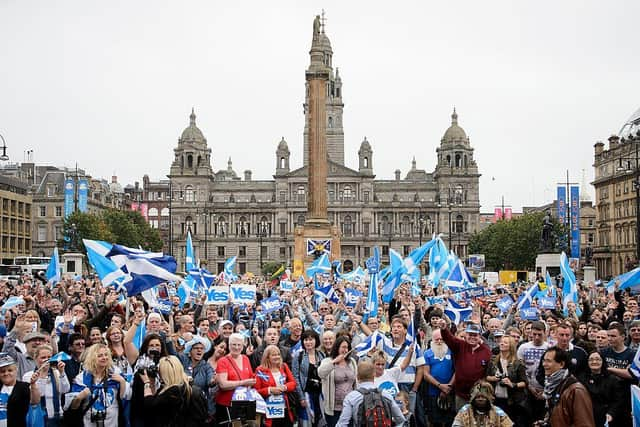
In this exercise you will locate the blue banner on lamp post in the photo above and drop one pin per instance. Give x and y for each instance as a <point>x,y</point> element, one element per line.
<point>69,193</point>
<point>575,221</point>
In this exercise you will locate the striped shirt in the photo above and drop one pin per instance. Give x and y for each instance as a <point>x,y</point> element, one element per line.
<point>417,359</point>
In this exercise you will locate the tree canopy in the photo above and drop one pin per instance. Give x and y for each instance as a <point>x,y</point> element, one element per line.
<point>128,228</point>
<point>513,244</point>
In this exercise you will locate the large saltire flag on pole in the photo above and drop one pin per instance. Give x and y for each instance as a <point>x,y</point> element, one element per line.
<point>320,266</point>
<point>142,269</point>
<point>189,259</point>
<point>373,266</point>
<point>569,287</point>
<point>53,270</point>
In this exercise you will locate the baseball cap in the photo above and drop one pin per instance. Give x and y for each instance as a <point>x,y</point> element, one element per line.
<point>6,360</point>
<point>224,322</point>
<point>33,336</point>
<point>473,328</point>
<point>499,333</point>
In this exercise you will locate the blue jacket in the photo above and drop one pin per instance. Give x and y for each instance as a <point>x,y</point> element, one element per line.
<point>300,369</point>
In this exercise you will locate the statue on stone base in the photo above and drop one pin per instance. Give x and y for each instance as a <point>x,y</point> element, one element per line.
<point>546,241</point>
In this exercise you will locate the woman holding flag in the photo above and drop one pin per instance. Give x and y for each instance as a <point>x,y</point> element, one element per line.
<point>338,375</point>
<point>52,383</point>
<point>273,381</point>
<point>305,371</point>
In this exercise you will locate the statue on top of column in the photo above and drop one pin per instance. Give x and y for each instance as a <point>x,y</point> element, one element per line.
<point>316,27</point>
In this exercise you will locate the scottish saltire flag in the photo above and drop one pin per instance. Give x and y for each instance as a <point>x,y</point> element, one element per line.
<point>631,280</point>
<point>186,289</point>
<point>322,265</point>
<point>144,269</point>
<point>59,357</point>
<point>107,270</point>
<point>456,312</point>
<point>300,283</point>
<point>53,270</point>
<point>394,278</point>
<point>569,288</point>
<point>443,262</point>
<point>202,278</point>
<point>635,405</point>
<point>296,349</point>
<point>189,259</point>
<point>315,246</point>
<point>548,281</point>
<point>141,332</point>
<point>411,334</point>
<point>370,343</point>
<point>356,276</point>
<point>327,292</point>
<point>371,306</point>
<point>229,266</point>
<point>337,267</point>
<point>459,277</point>
<point>12,302</point>
<point>526,299</point>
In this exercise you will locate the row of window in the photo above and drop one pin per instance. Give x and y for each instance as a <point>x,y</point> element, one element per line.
<point>15,208</point>
<point>15,244</point>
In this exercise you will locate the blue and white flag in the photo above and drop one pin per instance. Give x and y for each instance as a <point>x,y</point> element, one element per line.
<point>355,276</point>
<point>569,287</point>
<point>505,303</point>
<point>142,270</point>
<point>186,290</point>
<point>327,292</point>
<point>635,405</point>
<point>411,334</point>
<point>457,313</point>
<point>322,265</point>
<point>141,333</point>
<point>270,304</point>
<point>300,283</point>
<point>107,270</point>
<point>547,303</point>
<point>634,368</point>
<point>296,349</point>
<point>59,357</point>
<point>12,302</point>
<point>526,299</point>
<point>459,277</point>
<point>201,278</point>
<point>395,277</point>
<point>351,297</point>
<point>229,266</point>
<point>548,281</point>
<point>629,280</point>
<point>53,270</point>
<point>369,343</point>
<point>529,313</point>
<point>189,259</point>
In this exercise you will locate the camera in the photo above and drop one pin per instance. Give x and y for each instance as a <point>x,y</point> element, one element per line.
<point>98,417</point>
<point>149,362</point>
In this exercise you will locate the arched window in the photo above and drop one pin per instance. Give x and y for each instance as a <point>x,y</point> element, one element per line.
<point>189,225</point>
<point>221,226</point>
<point>405,225</point>
<point>283,163</point>
<point>458,160</point>
<point>164,212</point>
<point>189,194</point>
<point>242,227</point>
<point>264,227</point>
<point>365,162</point>
<point>465,161</point>
<point>153,212</point>
<point>347,226</point>
<point>459,224</point>
<point>385,225</point>
<point>300,194</point>
<point>330,124</point>
<point>189,160</point>
<point>449,160</point>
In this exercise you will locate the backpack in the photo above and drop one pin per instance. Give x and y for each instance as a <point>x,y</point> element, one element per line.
<point>374,411</point>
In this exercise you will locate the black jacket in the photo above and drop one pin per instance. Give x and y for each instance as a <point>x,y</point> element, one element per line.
<point>18,405</point>
<point>605,390</point>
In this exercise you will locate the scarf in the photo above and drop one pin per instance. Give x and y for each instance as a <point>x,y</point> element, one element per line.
<point>552,382</point>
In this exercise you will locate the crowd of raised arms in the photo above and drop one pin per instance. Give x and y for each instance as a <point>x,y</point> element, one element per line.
<point>78,353</point>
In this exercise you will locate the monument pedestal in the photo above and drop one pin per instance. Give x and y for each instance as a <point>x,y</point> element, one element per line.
<point>315,231</point>
<point>72,263</point>
<point>589,273</point>
<point>548,262</point>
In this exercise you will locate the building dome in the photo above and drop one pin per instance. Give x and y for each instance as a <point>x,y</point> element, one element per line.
<point>365,145</point>
<point>631,126</point>
<point>282,145</point>
<point>192,133</point>
<point>455,132</point>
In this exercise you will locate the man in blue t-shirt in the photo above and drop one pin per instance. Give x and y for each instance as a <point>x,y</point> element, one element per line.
<point>619,357</point>
<point>439,374</point>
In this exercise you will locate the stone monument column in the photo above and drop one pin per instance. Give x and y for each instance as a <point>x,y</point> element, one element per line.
<point>317,225</point>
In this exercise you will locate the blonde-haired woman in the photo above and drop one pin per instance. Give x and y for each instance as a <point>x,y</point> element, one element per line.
<point>52,383</point>
<point>507,374</point>
<point>273,380</point>
<point>101,387</point>
<point>167,406</point>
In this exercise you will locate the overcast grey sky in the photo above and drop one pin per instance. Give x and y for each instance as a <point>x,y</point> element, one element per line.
<point>110,84</point>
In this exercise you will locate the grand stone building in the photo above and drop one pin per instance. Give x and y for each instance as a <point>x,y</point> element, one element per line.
<point>231,214</point>
<point>617,171</point>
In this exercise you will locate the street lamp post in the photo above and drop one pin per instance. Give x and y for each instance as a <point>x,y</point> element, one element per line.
<point>205,217</point>
<point>262,233</point>
<point>389,231</point>
<point>449,205</point>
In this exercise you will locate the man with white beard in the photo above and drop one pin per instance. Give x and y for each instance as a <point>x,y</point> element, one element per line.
<point>439,374</point>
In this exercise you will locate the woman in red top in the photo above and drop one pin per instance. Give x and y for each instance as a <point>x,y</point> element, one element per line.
<point>234,370</point>
<point>273,381</point>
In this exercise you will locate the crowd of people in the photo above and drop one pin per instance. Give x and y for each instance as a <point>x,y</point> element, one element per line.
<point>78,353</point>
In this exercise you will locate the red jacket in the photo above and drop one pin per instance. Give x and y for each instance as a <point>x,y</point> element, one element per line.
<point>262,386</point>
<point>470,365</point>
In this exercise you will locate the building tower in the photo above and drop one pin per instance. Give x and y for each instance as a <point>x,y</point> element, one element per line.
<point>322,53</point>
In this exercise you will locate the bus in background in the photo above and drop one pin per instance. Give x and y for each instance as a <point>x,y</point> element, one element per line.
<point>31,264</point>
<point>10,273</point>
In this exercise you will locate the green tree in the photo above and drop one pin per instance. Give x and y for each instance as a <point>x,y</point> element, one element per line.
<point>78,226</point>
<point>513,244</point>
<point>270,267</point>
